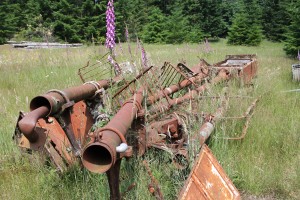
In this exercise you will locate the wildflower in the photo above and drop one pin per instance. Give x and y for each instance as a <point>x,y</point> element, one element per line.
<point>110,25</point>
<point>114,64</point>
<point>207,47</point>
<point>144,55</point>
<point>298,55</point>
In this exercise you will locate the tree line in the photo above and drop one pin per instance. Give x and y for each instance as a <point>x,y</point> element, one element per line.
<point>243,22</point>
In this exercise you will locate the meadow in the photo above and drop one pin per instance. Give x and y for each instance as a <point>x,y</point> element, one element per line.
<point>265,165</point>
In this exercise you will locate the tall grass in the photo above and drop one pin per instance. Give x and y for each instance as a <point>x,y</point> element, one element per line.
<point>265,163</point>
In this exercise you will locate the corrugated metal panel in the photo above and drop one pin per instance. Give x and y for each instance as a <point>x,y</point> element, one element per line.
<point>208,180</point>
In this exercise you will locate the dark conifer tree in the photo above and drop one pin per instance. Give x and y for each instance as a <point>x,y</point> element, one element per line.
<point>154,30</point>
<point>10,18</point>
<point>246,29</point>
<point>176,24</point>
<point>292,45</point>
<point>275,19</point>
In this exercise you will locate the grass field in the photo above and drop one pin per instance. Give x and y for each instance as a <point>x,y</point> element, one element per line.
<point>264,165</point>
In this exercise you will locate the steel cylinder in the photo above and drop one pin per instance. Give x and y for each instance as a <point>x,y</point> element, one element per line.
<point>53,102</point>
<point>100,154</point>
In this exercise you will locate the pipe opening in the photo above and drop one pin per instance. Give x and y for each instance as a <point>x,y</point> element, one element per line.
<point>40,101</point>
<point>97,158</point>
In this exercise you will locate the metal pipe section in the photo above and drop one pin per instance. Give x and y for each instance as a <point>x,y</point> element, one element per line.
<point>100,154</point>
<point>54,102</point>
<point>176,87</point>
<point>27,124</point>
<point>222,75</point>
<point>207,128</point>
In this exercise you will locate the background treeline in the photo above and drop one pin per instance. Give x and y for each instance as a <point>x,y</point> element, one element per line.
<point>243,22</point>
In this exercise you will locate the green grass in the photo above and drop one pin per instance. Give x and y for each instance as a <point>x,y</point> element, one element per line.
<point>265,163</point>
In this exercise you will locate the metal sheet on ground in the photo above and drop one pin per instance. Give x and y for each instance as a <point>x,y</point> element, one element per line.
<point>208,180</point>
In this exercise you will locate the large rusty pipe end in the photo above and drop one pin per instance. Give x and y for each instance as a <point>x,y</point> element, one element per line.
<point>98,157</point>
<point>44,100</point>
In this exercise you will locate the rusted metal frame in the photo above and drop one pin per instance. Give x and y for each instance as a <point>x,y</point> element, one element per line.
<point>174,88</point>
<point>87,65</point>
<point>94,75</point>
<point>182,74</point>
<point>154,187</point>
<point>248,115</point>
<point>132,81</point>
<point>222,75</point>
<point>169,76</point>
<point>163,93</point>
<point>164,70</point>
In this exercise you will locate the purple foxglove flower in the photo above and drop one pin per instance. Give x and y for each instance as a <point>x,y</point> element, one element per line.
<point>298,55</point>
<point>110,25</point>
<point>114,64</point>
<point>144,55</point>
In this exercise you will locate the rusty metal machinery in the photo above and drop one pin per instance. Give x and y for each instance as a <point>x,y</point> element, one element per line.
<point>63,124</point>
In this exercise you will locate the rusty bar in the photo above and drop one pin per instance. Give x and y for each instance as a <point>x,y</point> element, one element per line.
<point>113,177</point>
<point>100,154</point>
<point>222,75</point>
<point>56,101</point>
<point>207,128</point>
<point>174,88</point>
<point>248,114</point>
<point>154,186</point>
<point>134,80</point>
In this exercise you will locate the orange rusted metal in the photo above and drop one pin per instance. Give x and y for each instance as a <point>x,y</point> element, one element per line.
<point>162,107</point>
<point>208,181</point>
<point>207,128</point>
<point>60,124</point>
<point>100,154</point>
<point>56,101</point>
<point>53,138</point>
<point>154,187</point>
<point>241,66</point>
<point>247,115</point>
<point>176,87</point>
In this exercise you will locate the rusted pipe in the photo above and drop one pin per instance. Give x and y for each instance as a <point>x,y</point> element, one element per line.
<point>222,75</point>
<point>207,128</point>
<point>176,87</point>
<point>100,154</point>
<point>55,101</point>
<point>27,124</point>
<point>248,115</point>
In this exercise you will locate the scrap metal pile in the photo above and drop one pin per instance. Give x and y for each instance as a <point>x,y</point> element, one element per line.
<point>73,125</point>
